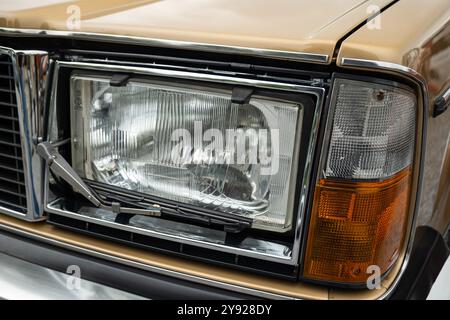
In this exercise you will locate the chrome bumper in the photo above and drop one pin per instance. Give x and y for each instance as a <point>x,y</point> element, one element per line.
<point>22,280</point>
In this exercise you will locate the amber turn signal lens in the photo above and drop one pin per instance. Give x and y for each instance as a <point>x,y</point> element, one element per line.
<point>355,225</point>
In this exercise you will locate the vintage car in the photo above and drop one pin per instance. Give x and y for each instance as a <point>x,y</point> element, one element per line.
<point>224,149</point>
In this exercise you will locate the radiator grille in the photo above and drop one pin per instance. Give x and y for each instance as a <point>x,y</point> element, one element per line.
<point>12,183</point>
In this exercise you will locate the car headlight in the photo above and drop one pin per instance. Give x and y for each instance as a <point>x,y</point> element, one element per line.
<point>188,144</point>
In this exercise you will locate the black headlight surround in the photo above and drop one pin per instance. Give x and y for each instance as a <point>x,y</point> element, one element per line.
<point>309,125</point>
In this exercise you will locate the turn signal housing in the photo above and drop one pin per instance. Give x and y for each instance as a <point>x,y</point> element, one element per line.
<point>355,225</point>
<point>361,202</point>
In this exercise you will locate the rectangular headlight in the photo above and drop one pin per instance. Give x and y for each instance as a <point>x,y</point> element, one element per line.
<point>189,144</point>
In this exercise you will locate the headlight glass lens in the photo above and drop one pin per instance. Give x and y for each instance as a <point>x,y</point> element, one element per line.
<point>188,144</point>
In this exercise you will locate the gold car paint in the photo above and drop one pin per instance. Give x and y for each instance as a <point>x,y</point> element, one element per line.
<point>167,262</point>
<point>219,274</point>
<point>292,25</point>
<point>416,34</point>
<point>401,40</point>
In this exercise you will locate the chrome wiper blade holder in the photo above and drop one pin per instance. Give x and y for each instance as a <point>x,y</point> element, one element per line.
<point>64,170</point>
<point>60,167</point>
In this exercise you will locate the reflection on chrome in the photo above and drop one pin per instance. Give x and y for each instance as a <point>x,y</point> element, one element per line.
<point>30,72</point>
<point>175,231</point>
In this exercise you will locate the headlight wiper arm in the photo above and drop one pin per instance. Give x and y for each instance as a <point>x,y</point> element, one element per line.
<point>61,168</point>
<point>230,223</point>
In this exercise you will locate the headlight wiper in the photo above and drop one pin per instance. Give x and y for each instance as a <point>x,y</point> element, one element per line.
<point>61,168</point>
<point>230,224</point>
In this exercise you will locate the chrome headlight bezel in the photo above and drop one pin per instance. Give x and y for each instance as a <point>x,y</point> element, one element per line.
<point>308,136</point>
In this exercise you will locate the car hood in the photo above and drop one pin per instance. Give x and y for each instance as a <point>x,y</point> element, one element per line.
<point>306,26</point>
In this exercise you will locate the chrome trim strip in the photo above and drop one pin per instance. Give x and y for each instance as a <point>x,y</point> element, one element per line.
<point>317,92</point>
<point>411,74</point>
<point>160,72</point>
<point>306,186</point>
<point>384,67</point>
<point>441,102</point>
<point>51,208</point>
<point>31,70</point>
<point>139,265</point>
<point>446,95</point>
<point>172,44</point>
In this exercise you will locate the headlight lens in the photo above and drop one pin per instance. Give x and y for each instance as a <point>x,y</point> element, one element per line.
<point>188,144</point>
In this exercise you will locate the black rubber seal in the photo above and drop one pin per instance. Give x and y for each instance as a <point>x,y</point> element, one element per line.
<point>427,259</point>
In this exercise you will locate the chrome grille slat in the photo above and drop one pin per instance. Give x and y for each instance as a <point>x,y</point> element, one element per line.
<point>11,205</point>
<point>6,104</point>
<point>11,190</point>
<point>9,131</point>
<point>8,174</point>
<point>12,169</point>
<point>12,180</point>
<point>8,77</point>
<point>12,118</point>
<point>7,143</point>
<point>10,156</point>
<point>7,90</point>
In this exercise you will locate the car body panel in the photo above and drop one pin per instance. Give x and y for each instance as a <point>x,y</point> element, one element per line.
<point>173,265</point>
<point>291,25</point>
<point>408,37</point>
<point>425,48</point>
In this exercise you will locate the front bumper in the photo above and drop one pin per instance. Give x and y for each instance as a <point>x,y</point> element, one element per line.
<point>35,270</point>
<point>32,269</point>
<point>22,280</point>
